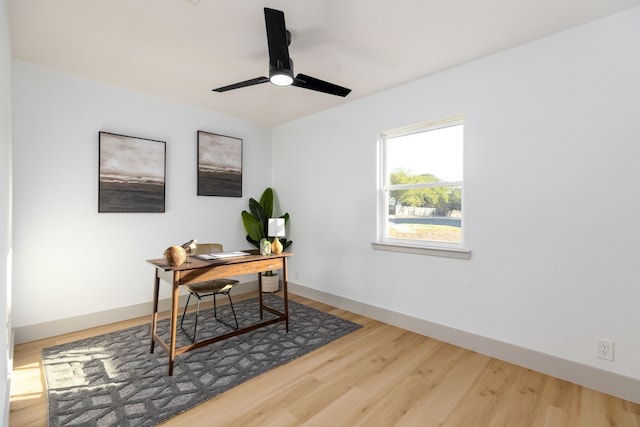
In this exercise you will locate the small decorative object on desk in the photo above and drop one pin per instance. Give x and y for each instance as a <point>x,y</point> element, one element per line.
<point>276,229</point>
<point>175,255</point>
<point>265,247</point>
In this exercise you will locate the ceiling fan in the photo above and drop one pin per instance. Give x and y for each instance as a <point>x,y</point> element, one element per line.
<point>281,65</point>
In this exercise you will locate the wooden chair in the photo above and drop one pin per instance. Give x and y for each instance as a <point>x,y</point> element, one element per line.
<point>209,288</point>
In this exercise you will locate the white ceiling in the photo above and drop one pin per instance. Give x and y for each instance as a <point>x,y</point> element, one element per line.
<point>181,49</point>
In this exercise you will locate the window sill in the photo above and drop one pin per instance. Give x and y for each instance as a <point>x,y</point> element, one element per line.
<point>422,250</point>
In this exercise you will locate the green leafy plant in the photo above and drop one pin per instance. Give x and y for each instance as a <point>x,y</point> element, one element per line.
<point>256,221</point>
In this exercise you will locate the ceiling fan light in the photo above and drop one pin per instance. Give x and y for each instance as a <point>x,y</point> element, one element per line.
<point>281,79</point>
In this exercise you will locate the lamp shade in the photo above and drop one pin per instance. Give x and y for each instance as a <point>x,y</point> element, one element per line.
<point>276,227</point>
<point>190,245</point>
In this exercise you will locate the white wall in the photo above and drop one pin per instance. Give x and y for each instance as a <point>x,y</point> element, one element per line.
<point>6,349</point>
<point>552,158</point>
<point>70,260</point>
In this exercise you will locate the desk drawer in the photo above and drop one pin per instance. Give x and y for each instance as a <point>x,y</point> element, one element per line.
<point>227,270</point>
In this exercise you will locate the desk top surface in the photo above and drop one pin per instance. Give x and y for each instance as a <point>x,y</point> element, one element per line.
<point>196,263</point>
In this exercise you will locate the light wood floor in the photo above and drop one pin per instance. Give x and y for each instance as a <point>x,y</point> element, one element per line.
<point>378,376</point>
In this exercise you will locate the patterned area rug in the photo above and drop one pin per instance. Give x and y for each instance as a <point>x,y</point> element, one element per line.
<point>113,380</point>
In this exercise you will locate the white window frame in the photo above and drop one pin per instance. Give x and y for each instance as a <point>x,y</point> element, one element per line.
<point>425,247</point>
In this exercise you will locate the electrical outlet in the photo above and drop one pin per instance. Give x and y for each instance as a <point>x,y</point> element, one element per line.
<point>605,349</point>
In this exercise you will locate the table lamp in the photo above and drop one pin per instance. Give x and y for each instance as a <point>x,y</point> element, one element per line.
<point>189,247</point>
<point>276,229</point>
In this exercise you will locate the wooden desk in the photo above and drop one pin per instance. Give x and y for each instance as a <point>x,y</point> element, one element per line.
<point>200,271</point>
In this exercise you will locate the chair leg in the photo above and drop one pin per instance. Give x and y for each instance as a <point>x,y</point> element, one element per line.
<point>233,309</point>
<point>215,314</point>
<point>215,310</point>
<point>185,309</point>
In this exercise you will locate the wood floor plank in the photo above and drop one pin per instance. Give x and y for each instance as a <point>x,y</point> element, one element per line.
<point>603,410</point>
<point>447,377</point>
<point>374,375</point>
<point>521,399</point>
<point>379,375</point>
<point>478,404</point>
<point>337,379</point>
<point>559,404</point>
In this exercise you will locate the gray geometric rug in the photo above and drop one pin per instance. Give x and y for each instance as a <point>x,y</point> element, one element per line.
<point>113,380</point>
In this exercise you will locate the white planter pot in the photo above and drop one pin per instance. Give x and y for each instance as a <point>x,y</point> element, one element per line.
<point>270,283</point>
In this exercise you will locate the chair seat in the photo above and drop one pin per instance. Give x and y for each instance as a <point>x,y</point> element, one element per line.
<point>216,285</point>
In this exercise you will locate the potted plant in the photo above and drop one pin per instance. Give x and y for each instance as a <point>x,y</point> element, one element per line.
<point>256,223</point>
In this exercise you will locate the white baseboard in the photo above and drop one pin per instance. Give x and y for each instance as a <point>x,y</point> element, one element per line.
<point>54,328</point>
<point>611,383</point>
<point>622,386</point>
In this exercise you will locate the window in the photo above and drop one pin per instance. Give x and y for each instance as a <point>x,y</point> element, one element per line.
<point>421,186</point>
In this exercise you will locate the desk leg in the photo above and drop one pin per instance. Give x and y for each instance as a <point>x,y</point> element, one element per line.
<point>260,293</point>
<point>285,292</point>
<point>154,316</point>
<point>174,321</point>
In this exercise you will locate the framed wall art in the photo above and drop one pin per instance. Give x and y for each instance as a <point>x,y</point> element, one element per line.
<point>132,174</point>
<point>219,165</point>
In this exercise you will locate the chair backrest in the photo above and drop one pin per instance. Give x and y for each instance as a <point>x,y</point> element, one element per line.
<point>208,248</point>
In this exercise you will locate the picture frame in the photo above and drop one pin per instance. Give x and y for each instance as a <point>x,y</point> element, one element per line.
<point>131,175</point>
<point>219,165</point>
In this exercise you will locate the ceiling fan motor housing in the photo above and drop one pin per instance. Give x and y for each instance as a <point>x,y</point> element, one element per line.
<point>280,75</point>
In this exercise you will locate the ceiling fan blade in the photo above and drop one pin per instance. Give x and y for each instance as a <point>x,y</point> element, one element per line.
<point>308,82</point>
<point>277,39</point>
<point>245,83</point>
